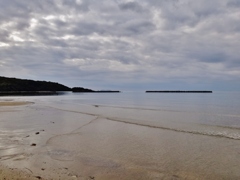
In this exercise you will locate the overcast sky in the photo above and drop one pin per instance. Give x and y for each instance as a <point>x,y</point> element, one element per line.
<point>122,44</point>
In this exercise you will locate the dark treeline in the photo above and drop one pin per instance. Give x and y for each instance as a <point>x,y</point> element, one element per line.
<point>81,89</point>
<point>14,84</point>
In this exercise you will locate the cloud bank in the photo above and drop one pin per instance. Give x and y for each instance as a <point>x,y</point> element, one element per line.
<point>122,44</point>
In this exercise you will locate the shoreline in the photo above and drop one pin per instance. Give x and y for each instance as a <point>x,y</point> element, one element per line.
<point>28,93</point>
<point>14,103</point>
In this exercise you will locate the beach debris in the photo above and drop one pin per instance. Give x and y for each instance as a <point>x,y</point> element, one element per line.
<point>38,177</point>
<point>96,106</point>
<point>33,144</point>
<point>52,122</point>
<point>37,133</point>
<point>29,170</point>
<point>42,169</point>
<point>27,136</point>
<point>91,177</point>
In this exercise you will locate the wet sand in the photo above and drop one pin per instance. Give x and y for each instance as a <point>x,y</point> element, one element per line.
<point>15,174</point>
<point>51,141</point>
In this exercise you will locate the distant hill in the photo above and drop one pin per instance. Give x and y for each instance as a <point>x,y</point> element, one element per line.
<point>81,90</point>
<point>14,84</point>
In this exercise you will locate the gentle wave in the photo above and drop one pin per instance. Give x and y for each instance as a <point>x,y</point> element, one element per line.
<point>168,110</point>
<point>220,133</point>
<point>234,136</point>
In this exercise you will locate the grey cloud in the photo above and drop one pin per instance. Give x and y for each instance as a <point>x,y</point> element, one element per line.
<point>120,40</point>
<point>234,3</point>
<point>86,28</point>
<point>4,35</point>
<point>73,4</point>
<point>13,9</point>
<point>60,23</point>
<point>138,27</point>
<point>187,13</point>
<point>133,6</point>
<point>227,25</point>
<point>209,57</point>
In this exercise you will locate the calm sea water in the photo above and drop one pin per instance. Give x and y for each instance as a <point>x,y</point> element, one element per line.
<point>216,113</point>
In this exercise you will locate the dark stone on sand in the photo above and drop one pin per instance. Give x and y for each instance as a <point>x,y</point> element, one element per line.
<point>33,144</point>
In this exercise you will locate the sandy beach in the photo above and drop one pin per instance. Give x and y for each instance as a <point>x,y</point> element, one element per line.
<point>42,140</point>
<point>5,171</point>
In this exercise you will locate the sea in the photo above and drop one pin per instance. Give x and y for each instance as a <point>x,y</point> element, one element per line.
<point>213,114</point>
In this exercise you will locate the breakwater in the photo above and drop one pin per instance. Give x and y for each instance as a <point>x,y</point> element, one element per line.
<point>178,91</point>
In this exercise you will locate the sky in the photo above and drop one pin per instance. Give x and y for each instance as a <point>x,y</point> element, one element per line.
<point>123,44</point>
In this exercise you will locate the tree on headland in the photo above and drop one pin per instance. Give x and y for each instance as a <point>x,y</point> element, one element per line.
<point>81,89</point>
